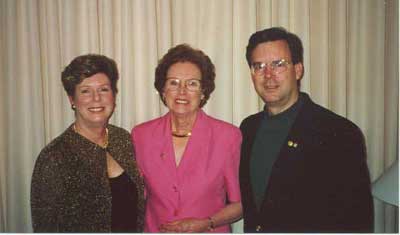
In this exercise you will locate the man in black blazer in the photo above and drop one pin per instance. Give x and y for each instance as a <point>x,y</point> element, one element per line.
<point>303,168</point>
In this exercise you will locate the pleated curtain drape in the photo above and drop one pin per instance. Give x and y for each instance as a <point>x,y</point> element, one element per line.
<point>350,59</point>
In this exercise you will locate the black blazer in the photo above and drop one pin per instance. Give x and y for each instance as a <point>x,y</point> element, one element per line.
<point>319,182</point>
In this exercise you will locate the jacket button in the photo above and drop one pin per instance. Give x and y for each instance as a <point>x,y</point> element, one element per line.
<point>258,228</point>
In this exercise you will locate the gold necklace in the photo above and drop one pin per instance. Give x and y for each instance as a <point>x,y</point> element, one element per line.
<point>175,134</point>
<point>105,145</point>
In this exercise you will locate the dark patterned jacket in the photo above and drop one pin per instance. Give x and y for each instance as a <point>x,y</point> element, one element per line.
<point>319,182</point>
<point>70,190</point>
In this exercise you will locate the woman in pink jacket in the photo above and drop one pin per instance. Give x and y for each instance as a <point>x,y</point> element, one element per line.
<point>189,160</point>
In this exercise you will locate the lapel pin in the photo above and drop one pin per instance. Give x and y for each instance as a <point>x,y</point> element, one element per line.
<point>292,144</point>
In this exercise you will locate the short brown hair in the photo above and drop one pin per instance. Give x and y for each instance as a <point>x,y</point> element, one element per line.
<point>185,53</point>
<point>275,34</point>
<point>85,66</point>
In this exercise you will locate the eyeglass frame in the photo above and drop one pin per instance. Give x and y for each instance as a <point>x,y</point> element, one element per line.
<point>185,84</point>
<point>272,65</point>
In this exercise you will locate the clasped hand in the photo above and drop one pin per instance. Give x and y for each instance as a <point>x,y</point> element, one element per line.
<point>187,225</point>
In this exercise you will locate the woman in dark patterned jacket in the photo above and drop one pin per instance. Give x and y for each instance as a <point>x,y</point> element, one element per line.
<point>86,180</point>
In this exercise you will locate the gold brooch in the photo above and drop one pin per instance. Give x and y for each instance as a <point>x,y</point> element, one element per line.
<point>290,143</point>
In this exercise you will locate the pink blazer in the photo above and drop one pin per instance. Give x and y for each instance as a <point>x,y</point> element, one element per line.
<point>206,177</point>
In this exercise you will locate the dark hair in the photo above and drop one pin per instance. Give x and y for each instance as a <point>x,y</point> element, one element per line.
<point>274,34</point>
<point>85,66</point>
<point>185,53</point>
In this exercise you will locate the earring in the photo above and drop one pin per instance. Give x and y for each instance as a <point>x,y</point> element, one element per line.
<point>73,107</point>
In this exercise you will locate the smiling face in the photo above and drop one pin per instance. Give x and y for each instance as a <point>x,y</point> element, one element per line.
<point>94,101</point>
<point>181,101</point>
<point>279,91</point>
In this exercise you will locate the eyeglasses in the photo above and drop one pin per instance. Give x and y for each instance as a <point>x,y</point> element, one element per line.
<point>173,84</point>
<point>276,67</point>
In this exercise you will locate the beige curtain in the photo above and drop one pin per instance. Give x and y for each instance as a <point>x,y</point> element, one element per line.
<point>351,67</point>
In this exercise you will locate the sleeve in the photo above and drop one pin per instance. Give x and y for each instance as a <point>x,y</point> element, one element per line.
<point>232,167</point>
<point>349,190</point>
<point>356,184</point>
<point>137,156</point>
<point>45,187</point>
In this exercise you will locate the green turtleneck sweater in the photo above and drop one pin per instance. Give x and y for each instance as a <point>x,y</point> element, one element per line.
<point>267,145</point>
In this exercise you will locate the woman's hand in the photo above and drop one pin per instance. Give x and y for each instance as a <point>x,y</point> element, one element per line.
<point>187,225</point>
<point>227,215</point>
